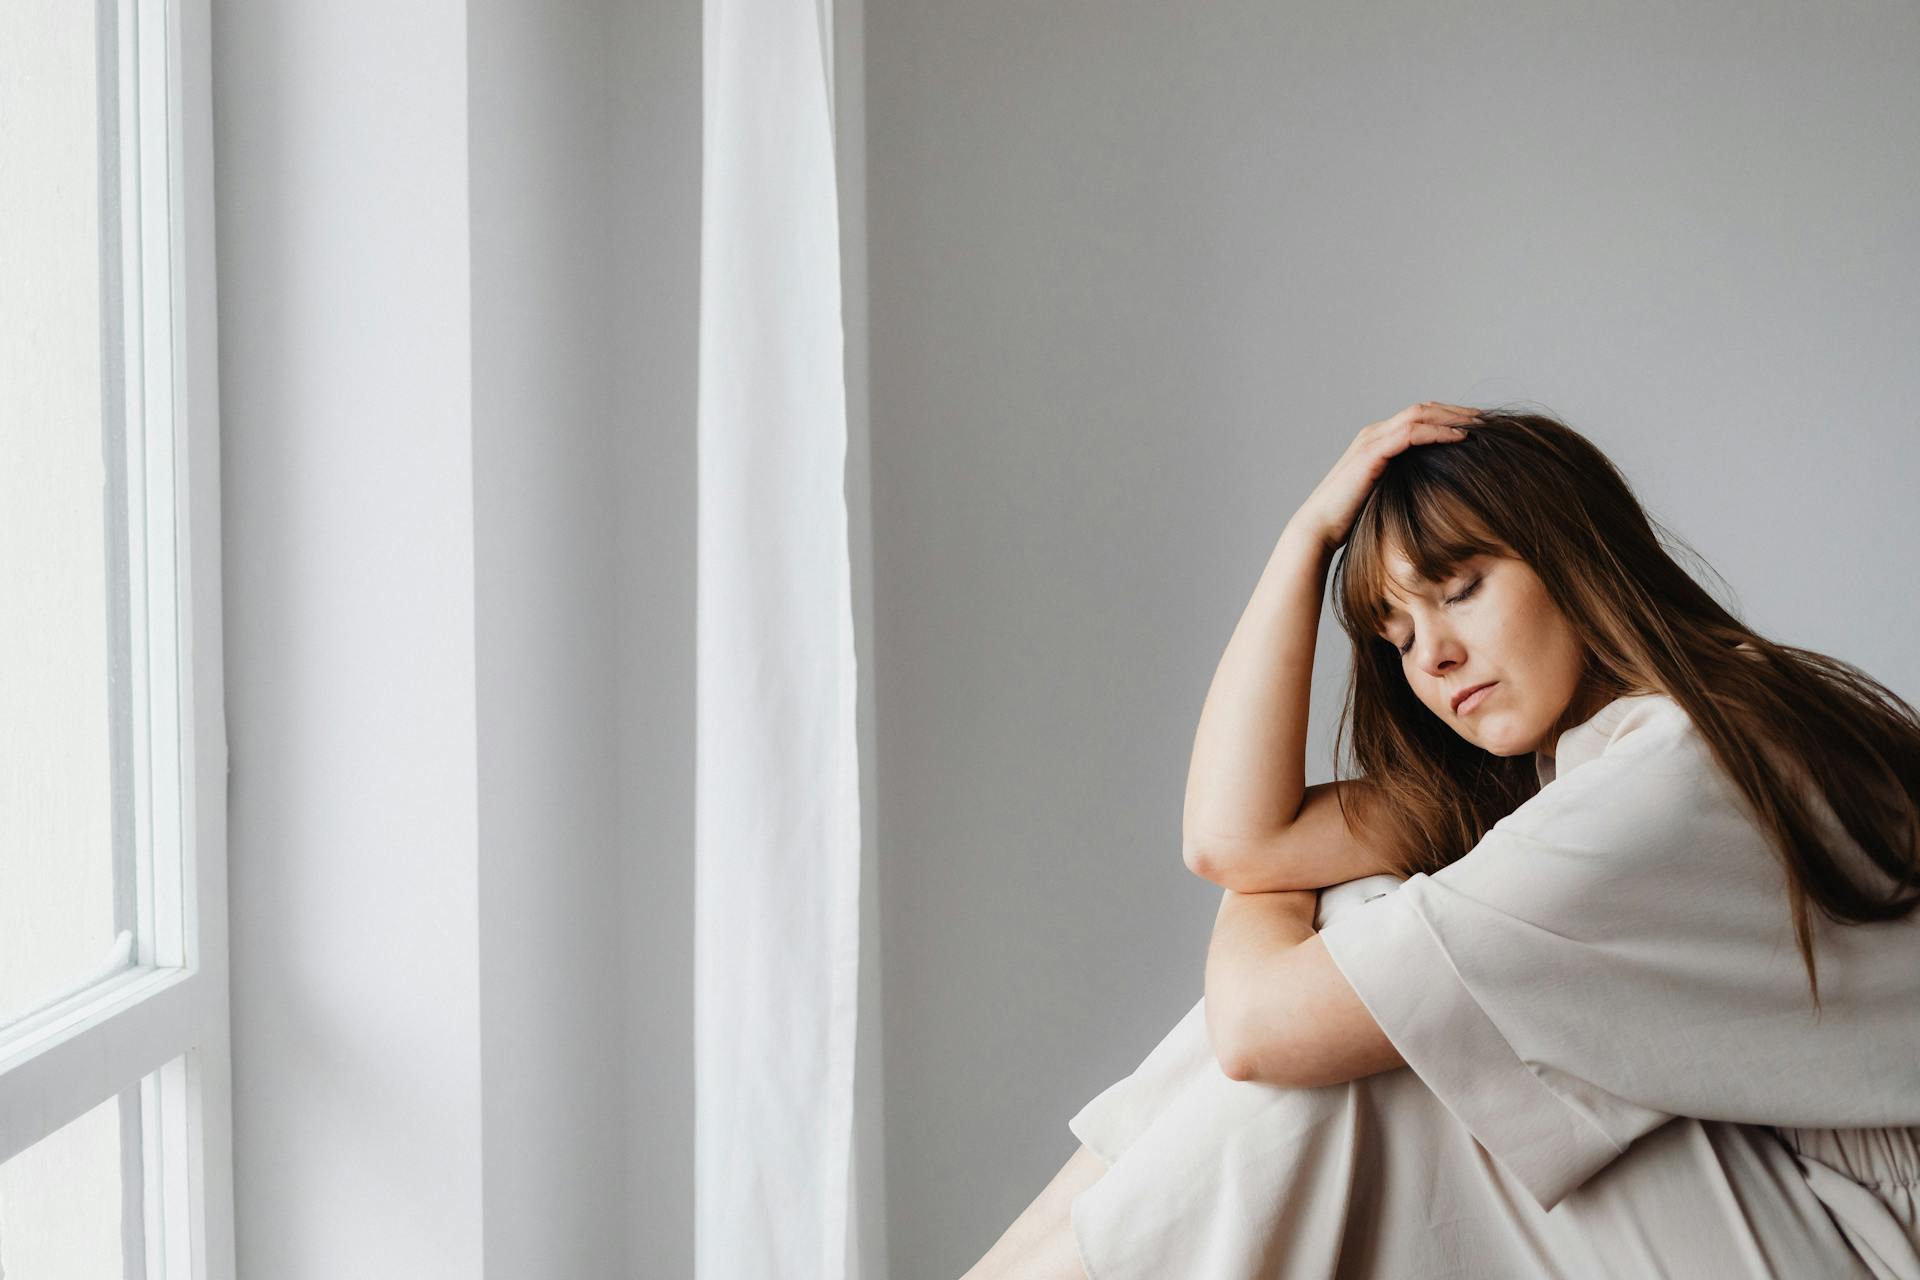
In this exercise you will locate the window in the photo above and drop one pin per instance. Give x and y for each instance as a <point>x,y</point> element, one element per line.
<point>114,1099</point>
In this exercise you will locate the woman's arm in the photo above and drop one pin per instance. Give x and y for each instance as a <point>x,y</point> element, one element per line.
<point>1279,1010</point>
<point>1322,846</point>
<point>1247,778</point>
<point>1248,931</point>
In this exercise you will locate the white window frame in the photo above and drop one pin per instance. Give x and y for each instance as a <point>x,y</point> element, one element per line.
<point>158,1031</point>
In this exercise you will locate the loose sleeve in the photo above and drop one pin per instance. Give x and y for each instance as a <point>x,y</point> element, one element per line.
<point>1618,951</point>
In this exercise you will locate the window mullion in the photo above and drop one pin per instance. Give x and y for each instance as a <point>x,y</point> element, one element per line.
<point>107,1043</point>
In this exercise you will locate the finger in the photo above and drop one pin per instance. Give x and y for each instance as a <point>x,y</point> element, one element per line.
<point>1436,411</point>
<point>1442,415</point>
<point>1431,432</point>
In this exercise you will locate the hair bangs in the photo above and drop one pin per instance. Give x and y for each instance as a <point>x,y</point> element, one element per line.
<point>1432,525</point>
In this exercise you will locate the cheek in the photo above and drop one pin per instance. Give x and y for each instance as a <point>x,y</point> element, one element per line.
<point>1557,649</point>
<point>1533,625</point>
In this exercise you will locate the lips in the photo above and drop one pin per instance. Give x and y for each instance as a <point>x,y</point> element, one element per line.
<point>1468,692</point>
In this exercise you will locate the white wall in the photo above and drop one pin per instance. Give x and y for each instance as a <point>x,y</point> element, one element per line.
<point>1139,273</point>
<point>349,525</point>
<point>458,253</point>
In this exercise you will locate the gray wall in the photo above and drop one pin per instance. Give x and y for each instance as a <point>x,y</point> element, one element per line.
<point>1140,271</point>
<point>654,248</point>
<point>552,855</point>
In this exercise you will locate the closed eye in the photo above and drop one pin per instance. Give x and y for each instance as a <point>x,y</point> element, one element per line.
<point>1469,589</point>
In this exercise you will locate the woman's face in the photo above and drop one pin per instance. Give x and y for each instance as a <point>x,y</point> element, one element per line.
<point>1492,621</point>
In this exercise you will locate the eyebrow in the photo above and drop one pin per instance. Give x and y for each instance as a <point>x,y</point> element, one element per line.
<point>1395,611</point>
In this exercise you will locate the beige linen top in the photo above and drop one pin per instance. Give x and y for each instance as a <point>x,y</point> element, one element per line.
<point>1618,951</point>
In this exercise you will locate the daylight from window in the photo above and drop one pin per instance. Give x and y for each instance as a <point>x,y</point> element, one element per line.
<point>60,1201</point>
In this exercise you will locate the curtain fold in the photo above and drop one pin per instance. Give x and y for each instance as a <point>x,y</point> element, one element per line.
<point>776,807</point>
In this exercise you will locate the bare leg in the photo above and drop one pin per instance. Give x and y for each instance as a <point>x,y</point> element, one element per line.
<point>1040,1243</point>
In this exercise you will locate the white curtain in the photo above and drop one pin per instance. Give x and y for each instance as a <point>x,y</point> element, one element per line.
<point>777,818</point>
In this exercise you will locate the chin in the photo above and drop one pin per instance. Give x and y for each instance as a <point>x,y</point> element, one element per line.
<point>1496,743</point>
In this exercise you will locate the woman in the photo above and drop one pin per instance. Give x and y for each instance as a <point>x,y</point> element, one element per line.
<point>1638,914</point>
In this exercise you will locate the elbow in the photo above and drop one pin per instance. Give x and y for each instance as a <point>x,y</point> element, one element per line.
<point>1207,863</point>
<point>1242,871</point>
<point>1198,860</point>
<point>1230,875</point>
<point>1223,1039</point>
<point>1237,1063</point>
<point>1242,1059</point>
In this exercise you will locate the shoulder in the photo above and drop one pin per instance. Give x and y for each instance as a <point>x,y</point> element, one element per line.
<point>1636,734</point>
<point>1638,774</point>
<point>1645,723</point>
<point>1611,847</point>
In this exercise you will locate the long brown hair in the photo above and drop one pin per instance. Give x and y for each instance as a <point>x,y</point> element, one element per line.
<point>1526,484</point>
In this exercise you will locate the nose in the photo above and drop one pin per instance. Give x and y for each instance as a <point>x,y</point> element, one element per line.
<point>1438,654</point>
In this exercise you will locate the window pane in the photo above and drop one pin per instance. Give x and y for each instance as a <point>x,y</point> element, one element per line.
<point>65,895</point>
<point>62,1200</point>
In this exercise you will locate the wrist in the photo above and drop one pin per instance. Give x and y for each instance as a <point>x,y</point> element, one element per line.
<point>1306,541</point>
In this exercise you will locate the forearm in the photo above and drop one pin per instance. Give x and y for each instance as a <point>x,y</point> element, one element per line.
<point>1269,875</point>
<point>1248,771</point>
<point>1248,930</point>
